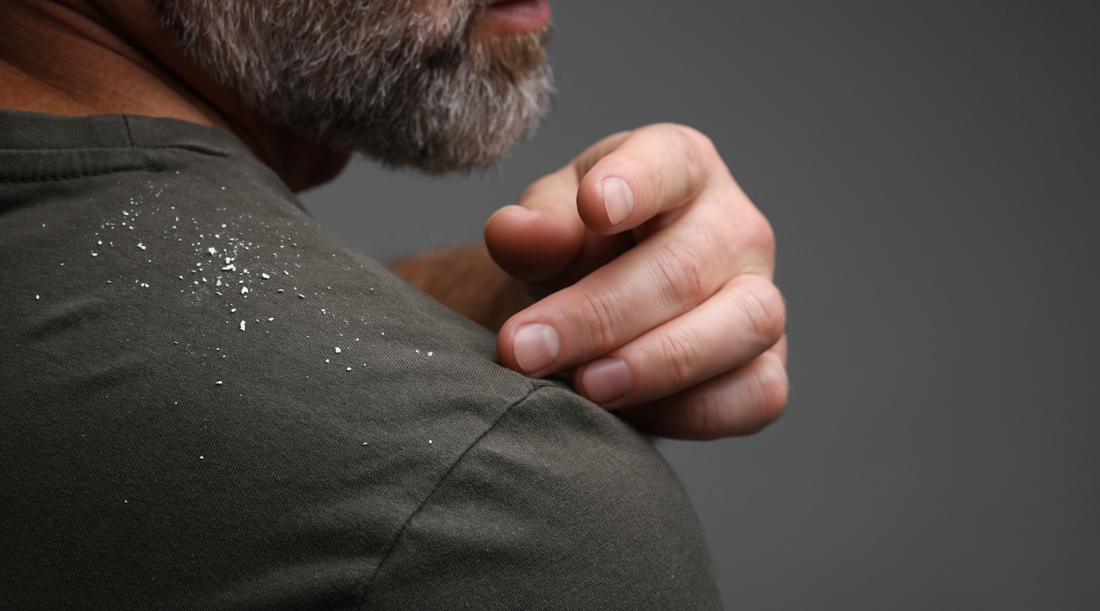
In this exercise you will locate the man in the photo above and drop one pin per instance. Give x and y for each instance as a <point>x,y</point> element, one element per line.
<point>217,405</point>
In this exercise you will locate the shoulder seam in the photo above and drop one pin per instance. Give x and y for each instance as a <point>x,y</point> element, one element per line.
<point>397,536</point>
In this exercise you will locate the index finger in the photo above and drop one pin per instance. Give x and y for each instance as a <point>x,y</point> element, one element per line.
<point>542,233</point>
<point>654,170</point>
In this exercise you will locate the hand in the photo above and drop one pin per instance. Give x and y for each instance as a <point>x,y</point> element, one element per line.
<point>656,276</point>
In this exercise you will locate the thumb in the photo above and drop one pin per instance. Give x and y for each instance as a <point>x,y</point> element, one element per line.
<point>543,233</point>
<point>537,238</point>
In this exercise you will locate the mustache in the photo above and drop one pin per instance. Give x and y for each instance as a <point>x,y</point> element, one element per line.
<point>477,12</point>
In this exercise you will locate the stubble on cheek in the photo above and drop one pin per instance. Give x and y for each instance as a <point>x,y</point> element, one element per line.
<point>406,81</point>
<point>451,27</point>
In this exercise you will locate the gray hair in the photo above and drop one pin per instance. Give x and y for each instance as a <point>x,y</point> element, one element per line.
<point>392,79</point>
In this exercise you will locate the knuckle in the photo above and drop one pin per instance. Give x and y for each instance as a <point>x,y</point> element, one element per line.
<point>700,141</point>
<point>690,136</point>
<point>681,266</point>
<point>689,148</point>
<point>763,309</point>
<point>678,358</point>
<point>710,416</point>
<point>770,388</point>
<point>759,400</point>
<point>600,319</point>
<point>754,237</point>
<point>761,235</point>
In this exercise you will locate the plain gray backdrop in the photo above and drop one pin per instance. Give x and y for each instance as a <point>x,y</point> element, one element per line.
<point>932,172</point>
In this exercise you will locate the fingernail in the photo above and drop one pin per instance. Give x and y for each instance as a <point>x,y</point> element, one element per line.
<point>617,199</point>
<point>535,346</point>
<point>605,380</point>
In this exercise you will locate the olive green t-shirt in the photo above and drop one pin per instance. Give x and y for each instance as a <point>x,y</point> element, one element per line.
<point>209,402</point>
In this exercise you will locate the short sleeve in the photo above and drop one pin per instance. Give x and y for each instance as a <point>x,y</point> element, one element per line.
<point>558,506</point>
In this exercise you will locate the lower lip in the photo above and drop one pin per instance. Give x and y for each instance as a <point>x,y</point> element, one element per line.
<point>515,17</point>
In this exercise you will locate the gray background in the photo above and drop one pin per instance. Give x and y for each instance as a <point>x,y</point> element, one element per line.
<point>932,172</point>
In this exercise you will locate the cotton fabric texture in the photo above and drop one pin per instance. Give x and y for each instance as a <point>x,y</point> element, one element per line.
<point>209,402</point>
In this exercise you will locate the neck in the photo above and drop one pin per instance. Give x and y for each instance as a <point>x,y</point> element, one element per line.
<point>80,58</point>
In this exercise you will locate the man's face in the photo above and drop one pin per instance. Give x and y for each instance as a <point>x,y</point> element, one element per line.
<point>410,82</point>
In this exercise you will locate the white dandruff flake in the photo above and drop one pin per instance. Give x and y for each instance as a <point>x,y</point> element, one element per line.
<point>141,246</point>
<point>270,319</point>
<point>265,276</point>
<point>349,368</point>
<point>242,325</point>
<point>95,254</point>
<point>301,296</point>
<point>338,350</point>
<point>429,354</point>
<point>212,250</point>
<point>218,383</point>
<point>244,290</point>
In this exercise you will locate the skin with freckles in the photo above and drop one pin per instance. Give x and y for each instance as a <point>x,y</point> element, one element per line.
<point>652,269</point>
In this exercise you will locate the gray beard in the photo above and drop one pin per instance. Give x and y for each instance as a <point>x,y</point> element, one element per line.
<point>401,83</point>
